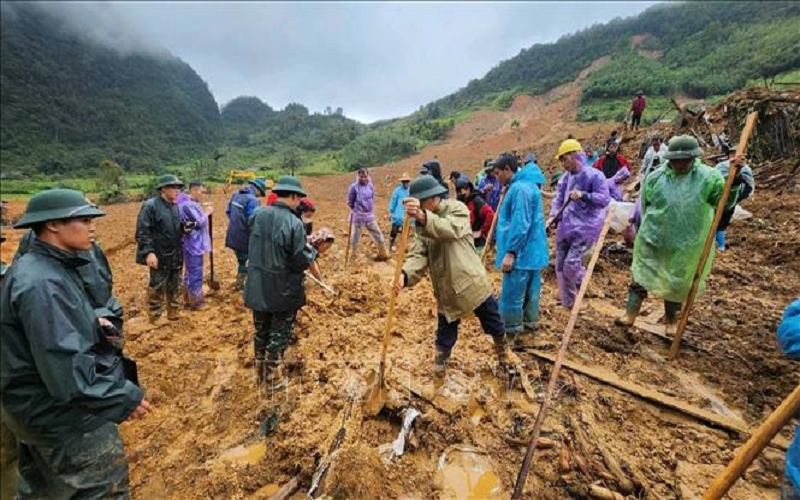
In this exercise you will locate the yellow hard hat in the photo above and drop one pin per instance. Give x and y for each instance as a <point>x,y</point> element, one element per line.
<point>568,146</point>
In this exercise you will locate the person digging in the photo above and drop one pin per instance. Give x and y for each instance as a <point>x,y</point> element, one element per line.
<point>444,247</point>
<point>678,203</point>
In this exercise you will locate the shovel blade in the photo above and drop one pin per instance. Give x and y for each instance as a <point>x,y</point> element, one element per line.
<point>376,394</point>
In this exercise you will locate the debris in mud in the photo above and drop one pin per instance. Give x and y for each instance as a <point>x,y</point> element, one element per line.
<point>467,473</point>
<point>359,474</point>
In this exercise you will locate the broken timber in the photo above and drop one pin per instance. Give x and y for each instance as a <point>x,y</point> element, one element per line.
<point>670,402</point>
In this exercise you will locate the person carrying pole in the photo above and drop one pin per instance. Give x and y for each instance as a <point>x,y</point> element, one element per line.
<point>63,388</point>
<point>521,246</point>
<point>361,200</point>
<point>581,221</point>
<point>240,208</point>
<point>678,203</point>
<point>444,247</point>
<point>196,242</point>
<point>743,186</point>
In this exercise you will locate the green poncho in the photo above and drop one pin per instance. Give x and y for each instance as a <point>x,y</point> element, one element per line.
<point>677,212</point>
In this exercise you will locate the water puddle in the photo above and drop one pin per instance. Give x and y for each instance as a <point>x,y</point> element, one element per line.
<point>242,454</point>
<point>467,473</point>
<point>692,383</point>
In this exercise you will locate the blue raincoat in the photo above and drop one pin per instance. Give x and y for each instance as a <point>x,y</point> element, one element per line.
<point>536,174</point>
<point>396,204</point>
<point>789,340</point>
<point>240,208</point>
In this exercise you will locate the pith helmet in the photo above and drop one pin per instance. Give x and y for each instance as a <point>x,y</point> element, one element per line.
<point>289,184</point>
<point>425,187</point>
<point>168,180</point>
<point>260,185</point>
<point>56,204</point>
<point>683,147</point>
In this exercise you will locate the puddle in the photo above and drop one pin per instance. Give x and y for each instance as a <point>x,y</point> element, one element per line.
<point>242,454</point>
<point>692,383</point>
<point>467,473</point>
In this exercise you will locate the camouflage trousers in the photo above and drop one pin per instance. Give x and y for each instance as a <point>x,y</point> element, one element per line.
<point>274,330</point>
<point>87,466</point>
<point>163,288</point>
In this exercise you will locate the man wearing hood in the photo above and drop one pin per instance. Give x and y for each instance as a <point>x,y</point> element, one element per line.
<point>481,214</point>
<point>490,187</point>
<point>534,172</point>
<point>240,208</point>
<point>361,200</point>
<point>615,168</point>
<point>196,243</point>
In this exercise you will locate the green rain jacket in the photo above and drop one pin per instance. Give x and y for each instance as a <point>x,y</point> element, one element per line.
<point>278,255</point>
<point>677,212</point>
<point>159,230</point>
<point>445,246</point>
<point>58,374</point>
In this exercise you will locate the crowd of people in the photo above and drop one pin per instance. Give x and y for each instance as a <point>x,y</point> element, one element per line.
<point>66,382</point>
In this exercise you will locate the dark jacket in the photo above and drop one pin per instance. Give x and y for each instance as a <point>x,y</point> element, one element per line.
<point>481,216</point>
<point>240,209</point>
<point>278,255</point>
<point>58,374</point>
<point>159,230</point>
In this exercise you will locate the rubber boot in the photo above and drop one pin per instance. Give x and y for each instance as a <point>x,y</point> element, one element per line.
<point>632,309</point>
<point>154,305</point>
<point>173,307</point>
<point>671,312</point>
<point>240,279</point>
<point>262,371</point>
<point>720,241</point>
<point>440,362</point>
<point>501,349</point>
<point>276,376</point>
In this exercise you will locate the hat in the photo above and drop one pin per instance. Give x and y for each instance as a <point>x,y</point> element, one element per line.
<point>259,184</point>
<point>683,147</point>
<point>568,146</point>
<point>405,177</point>
<point>530,158</point>
<point>424,170</point>
<point>289,184</point>
<point>425,187</point>
<point>461,183</point>
<point>55,204</point>
<point>306,205</point>
<point>168,180</point>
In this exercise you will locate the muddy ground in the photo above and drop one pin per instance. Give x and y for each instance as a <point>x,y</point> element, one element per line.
<point>203,438</point>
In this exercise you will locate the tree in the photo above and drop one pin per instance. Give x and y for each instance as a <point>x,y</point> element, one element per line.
<point>291,160</point>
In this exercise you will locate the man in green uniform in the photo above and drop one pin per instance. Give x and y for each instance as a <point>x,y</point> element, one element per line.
<point>678,203</point>
<point>159,239</point>
<point>445,247</point>
<point>62,385</point>
<point>278,255</point>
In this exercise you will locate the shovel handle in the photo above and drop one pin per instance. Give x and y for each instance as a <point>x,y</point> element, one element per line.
<point>349,235</point>
<point>211,239</point>
<point>398,270</point>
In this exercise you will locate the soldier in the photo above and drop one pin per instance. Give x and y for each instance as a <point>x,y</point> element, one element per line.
<point>63,388</point>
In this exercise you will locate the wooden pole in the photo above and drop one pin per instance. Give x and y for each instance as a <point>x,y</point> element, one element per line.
<point>349,235</point>
<point>723,200</point>
<point>760,438</point>
<point>492,228</point>
<point>551,384</point>
<point>398,271</point>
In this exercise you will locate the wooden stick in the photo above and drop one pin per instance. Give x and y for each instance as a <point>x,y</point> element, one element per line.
<point>287,489</point>
<point>612,379</point>
<point>551,385</point>
<point>492,228</point>
<point>710,237</point>
<point>560,212</point>
<point>398,271</point>
<point>760,438</point>
<point>349,235</point>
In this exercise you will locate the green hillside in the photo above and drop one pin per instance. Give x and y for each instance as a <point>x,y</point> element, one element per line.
<point>67,104</point>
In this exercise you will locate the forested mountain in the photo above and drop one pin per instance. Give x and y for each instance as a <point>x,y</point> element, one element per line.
<point>695,48</point>
<point>67,103</point>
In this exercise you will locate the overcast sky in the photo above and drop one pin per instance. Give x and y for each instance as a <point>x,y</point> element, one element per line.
<point>375,60</point>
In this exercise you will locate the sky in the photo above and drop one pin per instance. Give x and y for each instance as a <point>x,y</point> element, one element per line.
<point>375,60</point>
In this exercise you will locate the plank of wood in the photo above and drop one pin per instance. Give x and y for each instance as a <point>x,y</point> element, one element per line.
<point>614,380</point>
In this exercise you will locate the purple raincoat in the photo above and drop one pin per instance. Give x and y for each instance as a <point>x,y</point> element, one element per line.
<point>198,241</point>
<point>361,200</point>
<point>581,219</point>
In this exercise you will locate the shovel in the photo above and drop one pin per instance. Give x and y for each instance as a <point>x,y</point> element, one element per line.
<point>376,397</point>
<point>557,218</point>
<point>321,283</point>
<point>212,283</point>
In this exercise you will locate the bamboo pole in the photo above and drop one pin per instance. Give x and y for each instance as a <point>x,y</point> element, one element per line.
<point>551,385</point>
<point>687,308</point>
<point>492,228</point>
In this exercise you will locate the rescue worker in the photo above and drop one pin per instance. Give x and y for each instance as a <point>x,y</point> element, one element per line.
<point>240,208</point>
<point>481,214</point>
<point>591,154</point>
<point>535,175</point>
<point>615,168</point>
<point>306,211</point>
<point>586,191</point>
<point>789,341</point>
<point>279,255</point>
<point>361,200</point>
<point>637,108</point>
<point>490,187</point>
<point>678,203</point>
<point>435,171</point>
<point>444,247</point>
<point>63,389</point>
<point>653,158</point>
<point>196,242</point>
<point>487,167</point>
<point>159,246</point>
<point>396,210</point>
<point>521,246</point>
<point>744,184</point>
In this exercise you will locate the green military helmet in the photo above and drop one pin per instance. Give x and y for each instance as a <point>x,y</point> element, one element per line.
<point>259,184</point>
<point>168,180</point>
<point>289,184</point>
<point>683,147</point>
<point>425,187</point>
<point>56,204</point>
